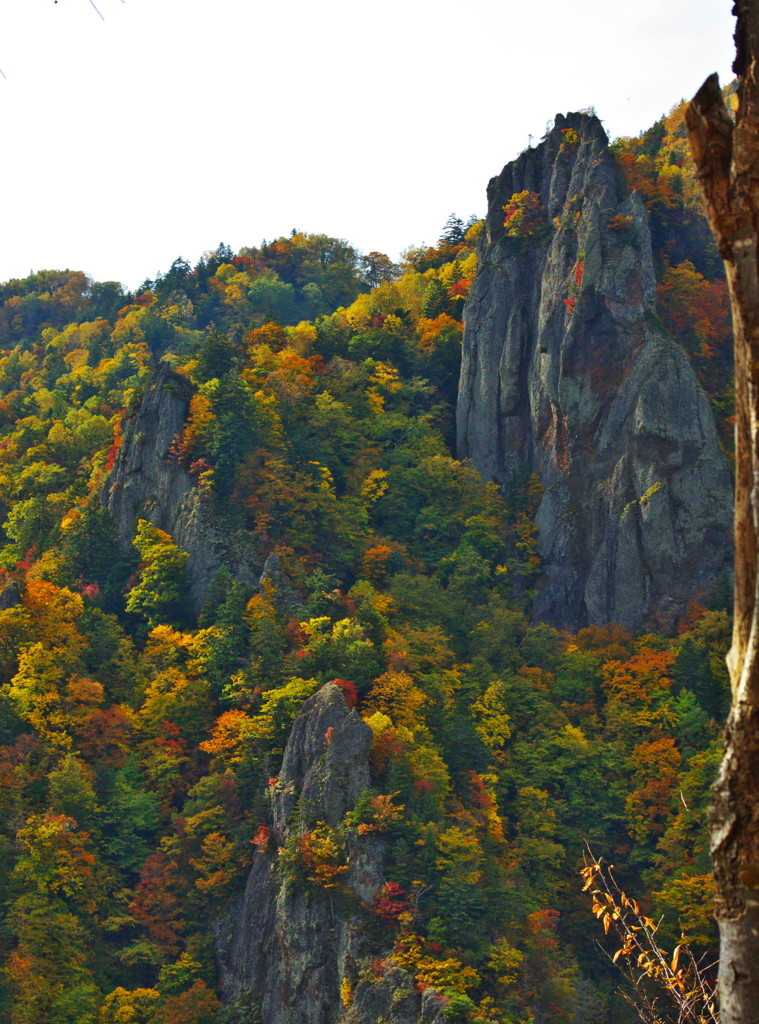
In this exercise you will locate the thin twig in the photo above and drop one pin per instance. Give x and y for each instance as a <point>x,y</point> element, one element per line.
<point>653,973</point>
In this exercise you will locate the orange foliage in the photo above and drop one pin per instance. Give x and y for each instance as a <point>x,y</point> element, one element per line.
<point>105,734</point>
<point>395,694</point>
<point>656,763</point>
<point>430,331</point>
<point>54,611</point>
<point>541,927</point>
<point>158,901</point>
<point>639,678</point>
<point>375,564</point>
<point>271,334</point>
<point>641,176</point>
<point>610,641</point>
<point>110,459</point>
<point>197,1005</point>
<point>228,736</point>
<point>697,311</point>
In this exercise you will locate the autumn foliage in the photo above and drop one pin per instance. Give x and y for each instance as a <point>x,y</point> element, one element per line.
<point>142,730</point>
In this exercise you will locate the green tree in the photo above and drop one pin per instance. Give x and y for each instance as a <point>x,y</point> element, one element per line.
<point>160,593</point>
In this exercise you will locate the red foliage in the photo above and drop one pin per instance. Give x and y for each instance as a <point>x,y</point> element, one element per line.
<point>24,564</point>
<point>350,693</point>
<point>197,1005</point>
<point>262,838</point>
<point>105,735</point>
<point>157,901</point>
<point>378,966</point>
<point>641,176</point>
<point>460,288</point>
<point>113,451</point>
<point>391,902</point>
<point>541,926</point>
<point>171,738</point>
<point>693,613</point>
<point>295,634</point>
<point>478,794</point>
<point>386,747</point>
<point>88,590</point>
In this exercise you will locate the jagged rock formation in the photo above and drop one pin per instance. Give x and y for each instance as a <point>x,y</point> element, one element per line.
<point>567,373</point>
<point>275,582</point>
<point>10,596</point>
<point>146,482</point>
<point>284,948</point>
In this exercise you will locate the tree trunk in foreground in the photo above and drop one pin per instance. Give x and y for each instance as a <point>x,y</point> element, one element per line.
<point>727,164</point>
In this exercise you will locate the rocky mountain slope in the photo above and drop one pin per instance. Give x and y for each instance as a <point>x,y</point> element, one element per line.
<point>568,373</point>
<point>292,950</point>
<point>147,482</point>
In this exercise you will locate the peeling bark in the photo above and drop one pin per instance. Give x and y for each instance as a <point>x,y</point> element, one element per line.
<point>727,164</point>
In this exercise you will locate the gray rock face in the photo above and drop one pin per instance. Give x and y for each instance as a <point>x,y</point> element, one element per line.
<point>283,947</point>
<point>146,482</point>
<point>274,580</point>
<point>10,596</point>
<point>567,373</point>
<point>326,765</point>
<point>394,999</point>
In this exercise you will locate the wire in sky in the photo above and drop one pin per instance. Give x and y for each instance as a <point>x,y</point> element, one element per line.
<point>96,8</point>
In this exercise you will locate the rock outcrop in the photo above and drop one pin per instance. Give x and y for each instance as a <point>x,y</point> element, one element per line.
<point>286,948</point>
<point>568,373</point>
<point>147,482</point>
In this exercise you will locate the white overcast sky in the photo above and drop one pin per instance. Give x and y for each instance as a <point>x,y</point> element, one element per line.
<point>173,125</point>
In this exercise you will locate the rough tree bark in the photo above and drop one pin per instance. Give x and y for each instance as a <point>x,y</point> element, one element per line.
<point>727,162</point>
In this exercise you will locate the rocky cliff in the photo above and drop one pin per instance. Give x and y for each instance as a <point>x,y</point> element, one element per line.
<point>568,373</point>
<point>289,949</point>
<point>147,482</point>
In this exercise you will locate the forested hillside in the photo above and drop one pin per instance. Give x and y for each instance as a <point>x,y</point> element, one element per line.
<point>142,730</point>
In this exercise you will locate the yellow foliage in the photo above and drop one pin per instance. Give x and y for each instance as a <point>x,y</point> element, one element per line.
<point>129,1006</point>
<point>426,970</point>
<point>386,378</point>
<point>395,694</point>
<point>490,717</point>
<point>378,723</point>
<point>393,324</point>
<point>376,401</point>
<point>504,961</point>
<point>302,337</point>
<point>230,733</point>
<point>346,993</point>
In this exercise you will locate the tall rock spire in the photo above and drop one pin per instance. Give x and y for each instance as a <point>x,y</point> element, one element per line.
<point>568,373</point>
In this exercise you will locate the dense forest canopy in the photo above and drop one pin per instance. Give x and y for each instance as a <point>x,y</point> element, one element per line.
<point>139,739</point>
